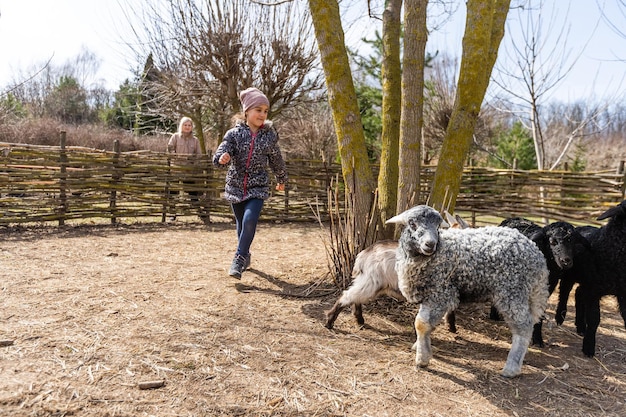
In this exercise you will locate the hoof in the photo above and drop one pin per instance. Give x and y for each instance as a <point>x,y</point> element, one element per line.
<point>507,373</point>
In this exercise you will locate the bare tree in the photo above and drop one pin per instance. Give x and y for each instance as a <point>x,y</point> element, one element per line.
<point>356,170</point>
<point>535,66</point>
<point>307,132</point>
<point>615,22</point>
<point>204,52</point>
<point>439,93</point>
<point>49,90</point>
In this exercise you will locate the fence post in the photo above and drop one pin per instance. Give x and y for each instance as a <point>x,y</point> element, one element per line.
<point>62,180</point>
<point>115,178</point>
<point>286,212</point>
<point>167,200</point>
<point>204,203</point>
<point>620,170</point>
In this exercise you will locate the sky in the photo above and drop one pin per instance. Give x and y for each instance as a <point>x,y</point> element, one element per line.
<point>35,31</point>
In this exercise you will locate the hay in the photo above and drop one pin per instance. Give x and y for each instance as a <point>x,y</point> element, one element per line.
<point>89,328</point>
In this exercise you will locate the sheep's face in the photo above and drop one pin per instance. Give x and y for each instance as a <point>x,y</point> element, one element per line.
<point>561,237</point>
<point>421,233</point>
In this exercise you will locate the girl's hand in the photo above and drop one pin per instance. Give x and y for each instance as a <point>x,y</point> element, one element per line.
<point>280,187</point>
<point>224,159</point>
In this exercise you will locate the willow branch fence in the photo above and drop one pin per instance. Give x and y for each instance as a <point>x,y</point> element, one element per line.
<point>60,184</point>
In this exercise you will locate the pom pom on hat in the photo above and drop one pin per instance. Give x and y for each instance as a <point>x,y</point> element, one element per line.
<point>252,97</point>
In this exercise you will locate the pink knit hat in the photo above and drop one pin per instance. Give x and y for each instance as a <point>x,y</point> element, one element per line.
<point>252,97</point>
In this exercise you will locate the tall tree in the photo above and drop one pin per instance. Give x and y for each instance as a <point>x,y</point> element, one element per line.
<point>415,37</point>
<point>484,30</point>
<point>391,109</point>
<point>356,170</point>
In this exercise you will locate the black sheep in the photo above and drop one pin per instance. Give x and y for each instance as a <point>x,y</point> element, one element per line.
<point>599,272</point>
<point>582,262</point>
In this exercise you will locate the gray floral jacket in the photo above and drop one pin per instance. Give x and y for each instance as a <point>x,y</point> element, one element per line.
<point>247,175</point>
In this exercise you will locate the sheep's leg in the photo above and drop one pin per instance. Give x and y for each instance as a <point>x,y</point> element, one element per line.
<point>561,309</point>
<point>521,325</point>
<point>494,314</point>
<point>425,322</point>
<point>580,320</point>
<point>537,338</point>
<point>592,320</point>
<point>451,319</point>
<point>519,347</point>
<point>621,301</point>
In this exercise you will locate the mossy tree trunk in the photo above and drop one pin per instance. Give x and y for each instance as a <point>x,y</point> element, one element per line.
<point>484,29</point>
<point>391,109</point>
<point>412,121</point>
<point>356,169</point>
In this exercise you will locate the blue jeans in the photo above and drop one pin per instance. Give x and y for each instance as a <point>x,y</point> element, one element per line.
<point>247,215</point>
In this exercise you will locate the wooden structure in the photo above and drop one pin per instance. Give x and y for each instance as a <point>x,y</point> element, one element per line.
<point>61,184</point>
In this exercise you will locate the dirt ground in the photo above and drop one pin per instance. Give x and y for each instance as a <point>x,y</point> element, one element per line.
<point>90,313</point>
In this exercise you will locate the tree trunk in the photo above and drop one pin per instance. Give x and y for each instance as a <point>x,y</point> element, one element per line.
<point>356,170</point>
<point>391,109</point>
<point>484,29</point>
<point>412,121</point>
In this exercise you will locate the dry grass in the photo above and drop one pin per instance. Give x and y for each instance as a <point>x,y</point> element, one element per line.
<point>94,311</point>
<point>45,131</point>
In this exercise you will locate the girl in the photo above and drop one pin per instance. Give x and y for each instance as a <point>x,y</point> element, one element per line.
<point>248,150</point>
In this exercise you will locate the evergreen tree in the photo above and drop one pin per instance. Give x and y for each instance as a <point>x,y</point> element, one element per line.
<point>515,144</point>
<point>68,101</point>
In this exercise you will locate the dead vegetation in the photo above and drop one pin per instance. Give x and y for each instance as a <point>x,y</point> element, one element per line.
<point>142,320</point>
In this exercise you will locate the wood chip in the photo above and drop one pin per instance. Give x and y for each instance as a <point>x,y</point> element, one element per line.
<point>151,384</point>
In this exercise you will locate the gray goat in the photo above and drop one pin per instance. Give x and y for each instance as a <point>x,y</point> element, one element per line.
<point>437,268</point>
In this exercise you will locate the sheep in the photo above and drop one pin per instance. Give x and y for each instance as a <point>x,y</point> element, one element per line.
<point>374,275</point>
<point>584,265</point>
<point>490,262</point>
<point>599,272</point>
<point>558,241</point>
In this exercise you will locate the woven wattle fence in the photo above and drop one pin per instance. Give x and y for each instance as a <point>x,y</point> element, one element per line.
<point>61,184</point>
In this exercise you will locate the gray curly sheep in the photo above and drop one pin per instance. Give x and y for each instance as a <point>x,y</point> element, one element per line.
<point>488,263</point>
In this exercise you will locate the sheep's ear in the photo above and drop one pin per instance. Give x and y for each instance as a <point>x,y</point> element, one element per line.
<point>399,219</point>
<point>538,237</point>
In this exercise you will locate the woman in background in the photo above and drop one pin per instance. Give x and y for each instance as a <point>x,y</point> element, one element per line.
<point>183,142</point>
